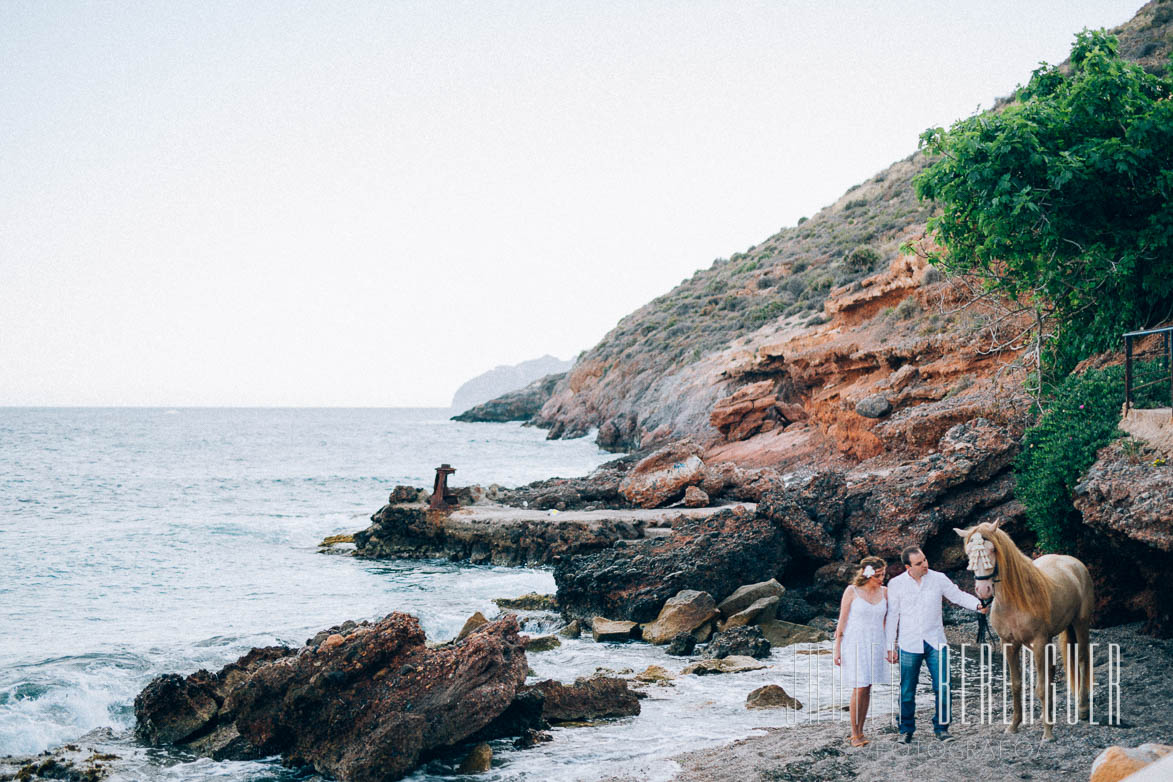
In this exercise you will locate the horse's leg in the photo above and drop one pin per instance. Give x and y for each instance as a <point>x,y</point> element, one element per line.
<point>1043,685</point>
<point>1012,652</point>
<point>1083,645</point>
<point>1070,667</point>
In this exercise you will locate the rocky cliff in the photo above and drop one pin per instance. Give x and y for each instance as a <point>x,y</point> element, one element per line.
<point>879,403</point>
<point>763,314</point>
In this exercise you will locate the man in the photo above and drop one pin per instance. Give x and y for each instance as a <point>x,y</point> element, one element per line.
<point>914,612</point>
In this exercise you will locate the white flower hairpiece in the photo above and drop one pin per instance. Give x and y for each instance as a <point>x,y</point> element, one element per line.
<point>869,571</point>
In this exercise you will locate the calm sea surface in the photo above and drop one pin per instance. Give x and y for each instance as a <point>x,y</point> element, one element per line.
<point>142,541</point>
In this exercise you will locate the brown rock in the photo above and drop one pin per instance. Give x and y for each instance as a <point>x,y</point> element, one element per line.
<point>587,699</point>
<point>572,630</point>
<point>780,633</point>
<point>664,475</point>
<point>695,497</point>
<point>364,710</point>
<point>654,673</point>
<point>747,594</point>
<point>760,610</point>
<point>732,664</point>
<point>687,611</point>
<point>612,629</point>
<point>470,624</point>
<point>771,697</point>
<point>478,760</point>
<point>1116,763</point>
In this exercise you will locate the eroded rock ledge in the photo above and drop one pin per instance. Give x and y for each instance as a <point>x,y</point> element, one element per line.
<point>361,707</point>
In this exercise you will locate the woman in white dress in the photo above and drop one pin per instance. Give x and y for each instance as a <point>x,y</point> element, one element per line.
<point>859,640</point>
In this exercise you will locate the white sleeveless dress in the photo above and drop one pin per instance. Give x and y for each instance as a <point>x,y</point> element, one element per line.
<point>863,646</point>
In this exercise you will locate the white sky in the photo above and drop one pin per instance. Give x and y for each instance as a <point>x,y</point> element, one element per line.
<point>352,203</point>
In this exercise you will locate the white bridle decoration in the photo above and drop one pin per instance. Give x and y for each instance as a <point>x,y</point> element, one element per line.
<point>980,560</point>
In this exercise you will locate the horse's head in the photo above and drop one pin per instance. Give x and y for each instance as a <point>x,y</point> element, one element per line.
<point>983,558</point>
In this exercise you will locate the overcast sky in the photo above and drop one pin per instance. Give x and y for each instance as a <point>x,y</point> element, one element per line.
<point>352,203</point>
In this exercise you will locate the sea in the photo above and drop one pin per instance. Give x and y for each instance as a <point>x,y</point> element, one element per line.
<point>141,541</point>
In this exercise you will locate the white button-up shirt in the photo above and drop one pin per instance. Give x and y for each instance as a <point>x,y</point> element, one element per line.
<point>915,609</point>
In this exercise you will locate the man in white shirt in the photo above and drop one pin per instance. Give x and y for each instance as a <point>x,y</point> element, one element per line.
<point>914,611</point>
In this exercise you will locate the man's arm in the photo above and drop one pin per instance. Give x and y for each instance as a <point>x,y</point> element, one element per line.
<point>956,596</point>
<point>892,620</point>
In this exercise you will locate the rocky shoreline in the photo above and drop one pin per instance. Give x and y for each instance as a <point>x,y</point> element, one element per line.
<point>818,750</point>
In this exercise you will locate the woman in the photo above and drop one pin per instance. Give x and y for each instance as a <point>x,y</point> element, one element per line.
<point>859,640</point>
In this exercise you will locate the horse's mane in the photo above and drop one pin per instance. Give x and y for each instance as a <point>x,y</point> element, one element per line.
<point>1024,587</point>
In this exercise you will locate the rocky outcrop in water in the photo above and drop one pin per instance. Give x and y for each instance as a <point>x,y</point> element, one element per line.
<point>502,536</point>
<point>362,707</point>
<point>713,554</point>
<point>520,405</point>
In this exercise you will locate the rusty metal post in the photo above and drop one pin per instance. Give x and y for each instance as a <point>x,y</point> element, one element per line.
<point>1169,368</point>
<point>1127,374</point>
<point>442,498</point>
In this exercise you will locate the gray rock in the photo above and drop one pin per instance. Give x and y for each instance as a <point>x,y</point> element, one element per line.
<point>682,645</point>
<point>786,633</point>
<point>744,641</point>
<point>792,608</point>
<point>760,610</point>
<point>874,406</point>
<point>745,596</point>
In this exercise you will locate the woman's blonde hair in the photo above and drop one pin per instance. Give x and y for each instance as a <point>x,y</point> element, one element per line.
<point>877,563</point>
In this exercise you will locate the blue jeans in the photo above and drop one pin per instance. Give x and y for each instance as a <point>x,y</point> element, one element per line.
<point>938,660</point>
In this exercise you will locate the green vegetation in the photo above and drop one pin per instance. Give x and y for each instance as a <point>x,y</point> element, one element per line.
<point>1059,201</point>
<point>1080,419</point>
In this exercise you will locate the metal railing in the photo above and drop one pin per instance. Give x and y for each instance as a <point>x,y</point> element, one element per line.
<point>1163,352</point>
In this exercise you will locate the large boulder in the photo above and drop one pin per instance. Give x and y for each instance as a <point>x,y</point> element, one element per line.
<point>361,709</point>
<point>613,630</point>
<point>686,611</point>
<point>771,697</point>
<point>587,699</point>
<point>715,554</point>
<point>780,633</point>
<point>745,596</point>
<point>664,475</point>
<point>743,641</point>
<point>761,610</point>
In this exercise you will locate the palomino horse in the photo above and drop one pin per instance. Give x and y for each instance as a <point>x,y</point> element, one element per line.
<point>1033,602</point>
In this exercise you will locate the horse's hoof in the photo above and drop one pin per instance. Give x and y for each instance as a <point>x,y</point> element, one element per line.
<point>1048,737</point>
<point>1011,728</point>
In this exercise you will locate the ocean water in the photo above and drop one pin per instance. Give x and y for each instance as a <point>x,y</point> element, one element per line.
<point>143,541</point>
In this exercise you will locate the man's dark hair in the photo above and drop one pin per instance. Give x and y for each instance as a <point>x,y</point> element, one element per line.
<point>908,552</point>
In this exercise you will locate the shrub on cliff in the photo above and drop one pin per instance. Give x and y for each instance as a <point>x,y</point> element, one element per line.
<point>1060,200</point>
<point>1079,419</point>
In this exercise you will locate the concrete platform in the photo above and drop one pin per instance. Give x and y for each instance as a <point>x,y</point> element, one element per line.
<point>504,535</point>
<point>1154,426</point>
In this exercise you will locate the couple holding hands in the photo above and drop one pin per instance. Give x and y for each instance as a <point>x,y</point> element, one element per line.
<point>872,617</point>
